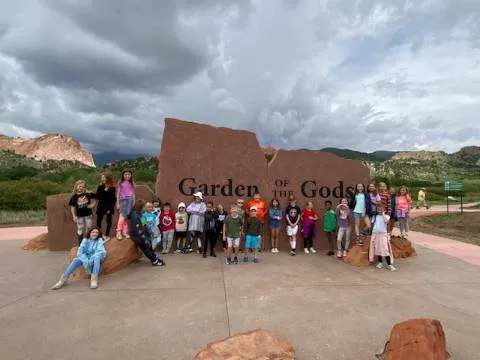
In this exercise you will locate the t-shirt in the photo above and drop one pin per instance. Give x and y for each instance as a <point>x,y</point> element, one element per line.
<point>210,221</point>
<point>181,221</point>
<point>253,226</point>
<point>375,198</point>
<point>151,220</point>
<point>329,221</point>
<point>359,203</point>
<point>380,226</point>
<point>261,208</point>
<point>81,202</point>
<point>233,226</point>
<point>385,198</point>
<point>293,216</point>
<point>220,219</point>
<point>107,197</point>
<point>403,202</point>
<point>307,213</point>
<point>344,217</point>
<point>290,207</point>
<point>126,189</point>
<point>167,221</point>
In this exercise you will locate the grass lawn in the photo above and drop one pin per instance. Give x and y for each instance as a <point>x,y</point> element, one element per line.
<point>456,226</point>
<point>23,218</point>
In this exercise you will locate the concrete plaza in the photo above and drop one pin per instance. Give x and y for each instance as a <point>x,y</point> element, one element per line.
<point>327,309</point>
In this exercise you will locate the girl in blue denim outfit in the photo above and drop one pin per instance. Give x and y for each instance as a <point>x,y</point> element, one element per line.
<point>275,215</point>
<point>90,255</point>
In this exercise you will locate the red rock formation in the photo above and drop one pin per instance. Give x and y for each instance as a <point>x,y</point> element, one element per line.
<point>120,254</point>
<point>358,255</point>
<point>252,345</point>
<point>39,242</point>
<point>48,147</point>
<point>417,339</point>
<point>402,248</point>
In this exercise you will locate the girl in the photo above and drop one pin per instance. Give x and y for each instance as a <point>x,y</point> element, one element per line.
<point>125,200</point>
<point>181,222</point>
<point>220,215</point>
<point>90,255</point>
<point>293,218</point>
<point>196,218</point>
<point>107,198</point>
<point>379,244</point>
<point>384,197</point>
<point>309,216</point>
<point>139,233</point>
<point>402,206</point>
<point>361,206</point>
<point>275,216</point>
<point>375,199</point>
<point>393,212</point>
<point>345,220</point>
<point>81,204</point>
<point>150,219</point>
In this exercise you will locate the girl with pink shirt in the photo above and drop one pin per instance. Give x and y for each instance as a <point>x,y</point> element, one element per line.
<point>402,205</point>
<point>126,199</point>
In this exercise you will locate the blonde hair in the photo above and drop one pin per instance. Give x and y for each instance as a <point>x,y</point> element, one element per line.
<point>79,182</point>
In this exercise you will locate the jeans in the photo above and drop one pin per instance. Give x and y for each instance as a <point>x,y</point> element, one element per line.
<point>167,240</point>
<point>76,263</point>
<point>403,224</point>
<point>210,239</point>
<point>125,206</point>
<point>108,214</point>
<point>343,232</point>
<point>191,235</point>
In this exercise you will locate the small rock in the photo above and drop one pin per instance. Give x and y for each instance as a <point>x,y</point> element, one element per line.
<point>417,339</point>
<point>39,242</point>
<point>402,248</point>
<point>251,345</point>
<point>358,255</point>
<point>120,254</point>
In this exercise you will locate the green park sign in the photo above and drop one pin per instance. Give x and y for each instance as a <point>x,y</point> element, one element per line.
<point>454,185</point>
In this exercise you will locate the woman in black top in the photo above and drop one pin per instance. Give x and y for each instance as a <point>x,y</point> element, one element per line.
<point>106,197</point>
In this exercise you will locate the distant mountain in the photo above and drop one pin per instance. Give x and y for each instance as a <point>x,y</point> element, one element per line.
<point>358,155</point>
<point>111,156</point>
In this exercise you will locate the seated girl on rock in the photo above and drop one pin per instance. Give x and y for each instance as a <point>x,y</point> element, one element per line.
<point>90,255</point>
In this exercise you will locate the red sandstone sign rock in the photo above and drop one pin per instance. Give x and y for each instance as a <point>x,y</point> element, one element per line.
<point>417,339</point>
<point>39,242</point>
<point>226,164</point>
<point>252,345</point>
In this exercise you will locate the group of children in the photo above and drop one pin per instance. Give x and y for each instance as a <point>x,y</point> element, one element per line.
<point>152,224</point>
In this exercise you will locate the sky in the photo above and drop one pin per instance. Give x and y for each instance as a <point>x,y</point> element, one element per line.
<point>360,74</point>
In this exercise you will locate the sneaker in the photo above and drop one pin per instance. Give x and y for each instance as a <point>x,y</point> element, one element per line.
<point>306,251</point>
<point>178,251</point>
<point>293,252</point>
<point>255,260</point>
<point>360,243</point>
<point>204,255</point>
<point>312,250</point>
<point>345,253</point>
<point>199,250</point>
<point>339,254</point>
<point>235,260</point>
<point>273,250</point>
<point>391,268</point>
<point>164,252</point>
<point>119,236</point>
<point>158,262</point>
<point>379,265</point>
<point>245,259</point>
<point>228,262</point>
<point>276,250</point>
<point>330,253</point>
<point>125,236</point>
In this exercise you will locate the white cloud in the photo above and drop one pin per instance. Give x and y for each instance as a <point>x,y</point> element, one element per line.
<point>369,75</point>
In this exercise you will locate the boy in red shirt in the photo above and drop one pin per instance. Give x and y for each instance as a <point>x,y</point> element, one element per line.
<point>167,227</point>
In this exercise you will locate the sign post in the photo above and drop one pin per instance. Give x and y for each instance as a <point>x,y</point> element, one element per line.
<point>455,186</point>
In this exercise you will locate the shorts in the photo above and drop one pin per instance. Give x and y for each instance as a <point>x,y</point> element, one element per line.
<point>292,230</point>
<point>275,224</point>
<point>233,242</point>
<point>180,234</point>
<point>357,215</point>
<point>83,224</point>
<point>251,242</point>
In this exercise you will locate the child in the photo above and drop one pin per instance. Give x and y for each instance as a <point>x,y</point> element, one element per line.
<point>140,234</point>
<point>309,217</point>
<point>167,227</point>
<point>107,198</point>
<point>220,215</point>
<point>81,204</point>
<point>345,220</point>
<point>196,216</point>
<point>232,229</point>
<point>157,206</point>
<point>253,230</point>
<point>90,255</point>
<point>402,206</point>
<point>151,221</point>
<point>293,218</point>
<point>181,223</point>
<point>393,211</point>
<point>361,206</point>
<point>379,244</point>
<point>375,200</point>
<point>329,225</point>
<point>210,230</point>
<point>125,200</point>
<point>384,197</point>
<point>275,215</point>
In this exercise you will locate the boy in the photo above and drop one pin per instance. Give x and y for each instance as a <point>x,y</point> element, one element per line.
<point>329,225</point>
<point>232,229</point>
<point>150,219</point>
<point>253,229</point>
<point>157,206</point>
<point>167,227</point>
<point>293,218</point>
<point>210,230</point>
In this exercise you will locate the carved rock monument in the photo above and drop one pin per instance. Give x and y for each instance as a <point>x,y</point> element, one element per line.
<point>226,164</point>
